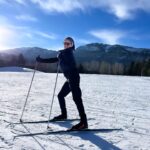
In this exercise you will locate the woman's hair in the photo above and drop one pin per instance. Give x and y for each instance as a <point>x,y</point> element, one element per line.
<point>71,40</point>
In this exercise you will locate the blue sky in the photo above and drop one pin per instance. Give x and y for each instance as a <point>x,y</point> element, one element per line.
<point>45,23</point>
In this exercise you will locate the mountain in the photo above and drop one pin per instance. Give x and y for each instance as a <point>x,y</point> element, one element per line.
<point>91,58</point>
<point>111,53</point>
<point>30,52</point>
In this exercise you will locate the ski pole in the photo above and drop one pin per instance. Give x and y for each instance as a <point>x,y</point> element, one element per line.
<point>53,97</point>
<point>35,67</point>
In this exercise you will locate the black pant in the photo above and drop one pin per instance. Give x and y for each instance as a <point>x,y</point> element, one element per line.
<point>72,85</point>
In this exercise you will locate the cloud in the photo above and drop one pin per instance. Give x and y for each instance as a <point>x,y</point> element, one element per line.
<point>46,35</point>
<point>26,18</point>
<point>108,36</point>
<point>126,9</point>
<point>121,9</point>
<point>17,36</point>
<point>59,5</point>
<point>21,1</point>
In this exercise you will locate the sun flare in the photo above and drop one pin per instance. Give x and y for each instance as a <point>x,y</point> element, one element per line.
<point>7,36</point>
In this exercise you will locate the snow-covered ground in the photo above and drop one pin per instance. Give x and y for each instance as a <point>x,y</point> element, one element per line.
<point>110,102</point>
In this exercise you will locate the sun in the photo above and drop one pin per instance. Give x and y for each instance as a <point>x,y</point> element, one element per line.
<point>7,36</point>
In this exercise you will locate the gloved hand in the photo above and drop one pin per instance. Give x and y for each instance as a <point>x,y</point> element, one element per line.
<point>38,59</point>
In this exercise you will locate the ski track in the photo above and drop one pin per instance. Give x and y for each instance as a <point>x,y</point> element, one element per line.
<point>113,102</point>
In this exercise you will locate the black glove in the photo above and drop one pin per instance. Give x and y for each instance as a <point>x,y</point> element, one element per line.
<point>38,59</point>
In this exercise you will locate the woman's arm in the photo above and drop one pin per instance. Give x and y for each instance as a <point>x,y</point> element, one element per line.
<point>47,60</point>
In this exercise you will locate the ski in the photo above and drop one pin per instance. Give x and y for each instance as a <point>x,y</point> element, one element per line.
<point>67,131</point>
<point>39,122</point>
<point>42,121</point>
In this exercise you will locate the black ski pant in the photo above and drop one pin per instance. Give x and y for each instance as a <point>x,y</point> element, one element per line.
<point>72,85</point>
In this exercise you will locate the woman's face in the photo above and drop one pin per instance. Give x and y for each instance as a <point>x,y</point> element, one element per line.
<point>67,44</point>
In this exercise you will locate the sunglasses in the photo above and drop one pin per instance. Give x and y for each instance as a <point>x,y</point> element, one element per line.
<point>67,43</point>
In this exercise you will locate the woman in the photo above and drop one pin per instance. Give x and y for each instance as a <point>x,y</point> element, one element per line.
<point>67,64</point>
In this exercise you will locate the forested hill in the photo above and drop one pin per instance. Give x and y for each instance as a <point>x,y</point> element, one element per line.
<point>91,58</point>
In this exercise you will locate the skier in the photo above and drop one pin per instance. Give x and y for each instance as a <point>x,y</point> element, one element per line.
<point>68,66</point>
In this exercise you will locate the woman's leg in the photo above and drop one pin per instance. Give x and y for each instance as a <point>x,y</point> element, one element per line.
<point>61,97</point>
<point>77,97</point>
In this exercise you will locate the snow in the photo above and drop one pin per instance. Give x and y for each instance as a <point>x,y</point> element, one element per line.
<point>111,102</point>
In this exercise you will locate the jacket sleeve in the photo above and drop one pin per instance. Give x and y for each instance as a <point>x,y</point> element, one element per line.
<point>49,60</point>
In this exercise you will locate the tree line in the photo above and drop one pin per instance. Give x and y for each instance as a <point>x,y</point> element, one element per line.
<point>140,68</point>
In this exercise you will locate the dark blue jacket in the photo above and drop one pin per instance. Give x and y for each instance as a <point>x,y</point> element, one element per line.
<point>66,62</point>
